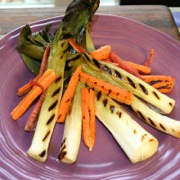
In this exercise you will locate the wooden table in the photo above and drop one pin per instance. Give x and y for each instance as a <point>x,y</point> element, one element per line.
<point>158,16</point>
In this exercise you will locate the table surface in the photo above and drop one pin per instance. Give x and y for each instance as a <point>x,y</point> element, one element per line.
<point>157,16</point>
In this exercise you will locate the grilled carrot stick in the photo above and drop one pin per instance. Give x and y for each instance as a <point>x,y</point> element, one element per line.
<point>163,83</point>
<point>45,81</point>
<point>151,56</point>
<point>114,92</point>
<point>33,116</point>
<point>68,96</point>
<point>76,47</point>
<point>88,118</point>
<point>116,59</point>
<point>102,53</point>
<point>140,68</point>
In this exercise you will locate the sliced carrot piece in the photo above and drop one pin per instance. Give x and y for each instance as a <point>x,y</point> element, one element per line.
<point>92,123</point>
<point>68,96</point>
<point>121,63</point>
<point>26,88</point>
<point>140,68</point>
<point>102,53</point>
<point>76,47</point>
<point>114,92</point>
<point>45,81</point>
<point>88,118</point>
<point>164,84</point>
<point>151,56</point>
<point>35,112</point>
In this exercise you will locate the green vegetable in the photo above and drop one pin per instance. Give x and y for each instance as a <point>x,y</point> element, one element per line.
<point>123,79</point>
<point>78,15</point>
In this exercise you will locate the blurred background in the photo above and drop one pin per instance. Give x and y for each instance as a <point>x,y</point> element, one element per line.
<point>41,3</point>
<point>170,3</point>
<point>174,5</point>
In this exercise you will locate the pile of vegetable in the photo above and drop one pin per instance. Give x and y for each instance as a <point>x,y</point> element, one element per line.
<point>78,84</point>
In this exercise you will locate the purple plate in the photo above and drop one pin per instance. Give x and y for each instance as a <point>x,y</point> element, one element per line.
<point>132,41</point>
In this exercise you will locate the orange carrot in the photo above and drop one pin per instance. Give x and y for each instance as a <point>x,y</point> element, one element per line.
<point>151,56</point>
<point>43,66</point>
<point>116,59</point>
<point>162,83</point>
<point>92,119</point>
<point>25,88</point>
<point>140,68</point>
<point>76,47</point>
<point>34,114</point>
<point>45,81</point>
<point>101,53</point>
<point>114,92</point>
<point>68,96</point>
<point>88,118</point>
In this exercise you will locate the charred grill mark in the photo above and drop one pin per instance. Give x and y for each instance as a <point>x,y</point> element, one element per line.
<point>75,57</point>
<point>56,92</point>
<point>170,104</point>
<point>105,101</point>
<point>96,63</point>
<point>87,57</point>
<point>61,57</point>
<point>112,108</point>
<point>63,150</point>
<point>95,82</point>
<point>53,105</point>
<point>131,109</point>
<point>109,91</point>
<point>62,45</point>
<point>58,79</point>
<point>106,69</point>
<point>119,114</point>
<point>98,95</point>
<point>155,82</point>
<point>164,87</point>
<point>155,94</point>
<point>131,82</point>
<point>118,74</point>
<point>141,115</point>
<point>42,154</point>
<point>50,119</point>
<point>46,136</point>
<point>143,137</point>
<point>151,122</point>
<point>162,127</point>
<point>63,142</point>
<point>151,140</point>
<point>143,89</point>
<point>62,154</point>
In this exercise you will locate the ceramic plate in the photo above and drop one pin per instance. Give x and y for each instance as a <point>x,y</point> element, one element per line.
<point>132,41</point>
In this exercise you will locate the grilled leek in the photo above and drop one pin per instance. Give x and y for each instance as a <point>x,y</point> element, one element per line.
<point>136,142</point>
<point>72,129</point>
<point>76,19</point>
<point>125,80</point>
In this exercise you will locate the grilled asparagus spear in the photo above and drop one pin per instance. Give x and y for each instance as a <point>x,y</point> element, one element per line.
<point>77,16</point>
